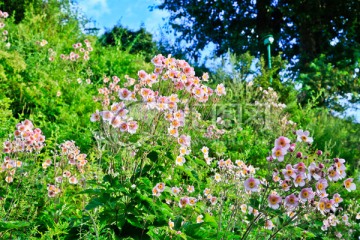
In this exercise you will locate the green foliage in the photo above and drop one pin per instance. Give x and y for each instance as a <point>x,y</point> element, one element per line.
<point>331,81</point>
<point>6,118</point>
<point>117,194</point>
<point>134,42</point>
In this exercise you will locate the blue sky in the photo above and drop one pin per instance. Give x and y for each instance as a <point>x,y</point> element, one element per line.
<point>130,13</point>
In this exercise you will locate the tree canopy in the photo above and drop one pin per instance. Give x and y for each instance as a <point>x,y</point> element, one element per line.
<point>304,31</point>
<point>139,41</point>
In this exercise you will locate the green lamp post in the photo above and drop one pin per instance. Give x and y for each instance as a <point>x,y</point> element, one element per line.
<point>268,40</point>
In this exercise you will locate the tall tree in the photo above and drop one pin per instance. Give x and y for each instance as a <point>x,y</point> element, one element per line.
<point>19,7</point>
<point>139,41</point>
<point>304,31</point>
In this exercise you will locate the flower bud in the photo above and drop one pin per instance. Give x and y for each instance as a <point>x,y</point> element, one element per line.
<point>319,152</point>
<point>292,147</point>
<point>299,155</point>
<point>321,165</point>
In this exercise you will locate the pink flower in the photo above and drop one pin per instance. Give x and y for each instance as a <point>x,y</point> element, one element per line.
<point>116,122</point>
<point>283,142</point>
<point>329,205</point>
<point>291,201</point>
<point>160,187</point>
<point>173,131</point>
<point>269,224</point>
<point>337,199</point>
<point>288,172</point>
<point>180,160</point>
<point>321,205</point>
<point>213,200</point>
<point>306,194</point>
<point>124,127</point>
<point>58,179</point>
<point>303,136</point>
<point>278,153</point>
<point>299,180</point>
<point>190,189</point>
<point>184,140</point>
<point>73,180</point>
<point>175,190</point>
<point>314,172</point>
<point>300,167</point>
<point>107,115</point>
<point>183,202</point>
<point>156,192</point>
<point>9,179</point>
<point>252,184</point>
<point>66,174</point>
<point>321,185</point>
<point>122,112</point>
<point>158,60</point>
<point>349,185</point>
<point>132,127</point>
<point>142,74</point>
<point>220,90</point>
<point>274,200</point>
<point>276,177</point>
<point>292,147</point>
<point>199,219</point>
<point>95,116</point>
<point>197,91</point>
<point>333,175</point>
<point>192,201</point>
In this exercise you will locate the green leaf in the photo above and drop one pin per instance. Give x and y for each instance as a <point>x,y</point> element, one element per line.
<point>13,225</point>
<point>94,203</point>
<point>153,156</point>
<point>210,220</point>
<point>134,221</point>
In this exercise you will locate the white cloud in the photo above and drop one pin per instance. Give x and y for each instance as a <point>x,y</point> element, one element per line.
<point>155,20</point>
<point>94,8</point>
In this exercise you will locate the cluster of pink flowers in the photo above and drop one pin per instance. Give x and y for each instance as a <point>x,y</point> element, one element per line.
<point>42,43</point>
<point>9,166</point>
<point>53,190</point>
<point>332,221</point>
<point>52,54</point>
<point>205,151</point>
<point>182,77</point>
<point>212,132</point>
<point>79,81</point>
<point>307,184</point>
<point>70,157</point>
<point>269,99</point>
<point>79,52</point>
<point>232,171</point>
<point>158,189</point>
<point>117,117</point>
<point>73,156</point>
<point>3,15</point>
<point>27,139</point>
<point>300,175</point>
<point>283,146</point>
